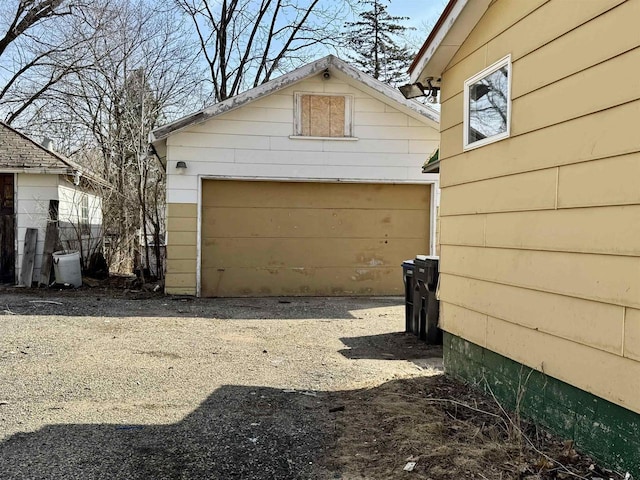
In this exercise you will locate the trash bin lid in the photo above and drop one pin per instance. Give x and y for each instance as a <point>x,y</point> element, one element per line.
<point>424,258</point>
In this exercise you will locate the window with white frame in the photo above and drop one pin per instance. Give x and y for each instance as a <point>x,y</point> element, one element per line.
<point>487,105</point>
<point>323,115</point>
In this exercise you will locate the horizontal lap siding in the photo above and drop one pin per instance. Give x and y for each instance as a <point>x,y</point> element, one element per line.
<point>583,321</point>
<point>539,109</point>
<point>540,254</point>
<point>499,32</point>
<point>528,191</point>
<point>182,223</point>
<point>562,230</point>
<point>607,278</point>
<point>254,141</point>
<point>592,137</point>
<point>632,334</point>
<point>613,378</point>
<point>554,63</point>
<point>584,367</point>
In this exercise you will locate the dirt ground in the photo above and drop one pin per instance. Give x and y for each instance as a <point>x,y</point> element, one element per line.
<point>132,385</point>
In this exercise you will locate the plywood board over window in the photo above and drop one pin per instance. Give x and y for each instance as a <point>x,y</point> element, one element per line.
<point>323,115</point>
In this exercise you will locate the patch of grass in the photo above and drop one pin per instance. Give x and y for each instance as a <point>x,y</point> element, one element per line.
<point>451,431</point>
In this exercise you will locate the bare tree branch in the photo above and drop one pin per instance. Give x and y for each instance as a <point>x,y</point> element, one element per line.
<point>28,14</point>
<point>244,42</point>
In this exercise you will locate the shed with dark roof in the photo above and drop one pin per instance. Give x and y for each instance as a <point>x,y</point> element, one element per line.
<point>38,185</point>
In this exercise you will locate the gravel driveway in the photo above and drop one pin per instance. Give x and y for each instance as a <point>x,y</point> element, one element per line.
<point>123,387</point>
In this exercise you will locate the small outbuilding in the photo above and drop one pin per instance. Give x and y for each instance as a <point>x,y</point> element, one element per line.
<point>309,184</point>
<point>39,186</point>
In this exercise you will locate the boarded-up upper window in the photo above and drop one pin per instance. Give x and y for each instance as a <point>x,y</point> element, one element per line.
<point>323,116</point>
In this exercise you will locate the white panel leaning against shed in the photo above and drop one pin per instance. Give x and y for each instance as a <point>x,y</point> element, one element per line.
<point>324,122</point>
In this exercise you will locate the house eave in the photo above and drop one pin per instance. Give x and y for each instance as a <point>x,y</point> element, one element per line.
<point>38,170</point>
<point>385,93</point>
<point>433,167</point>
<point>452,28</point>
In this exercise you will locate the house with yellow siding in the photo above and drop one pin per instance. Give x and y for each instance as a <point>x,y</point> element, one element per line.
<point>309,184</point>
<point>540,210</point>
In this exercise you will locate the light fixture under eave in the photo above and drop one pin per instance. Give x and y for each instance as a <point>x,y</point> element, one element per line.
<point>412,90</point>
<point>181,167</point>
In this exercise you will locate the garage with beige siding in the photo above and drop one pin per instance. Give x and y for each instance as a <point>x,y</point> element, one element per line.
<point>309,238</point>
<point>309,184</point>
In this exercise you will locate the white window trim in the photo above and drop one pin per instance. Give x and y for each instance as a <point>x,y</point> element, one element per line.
<point>339,139</point>
<point>505,61</point>
<point>297,115</point>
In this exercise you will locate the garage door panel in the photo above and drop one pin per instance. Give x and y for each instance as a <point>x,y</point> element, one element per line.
<point>249,282</point>
<point>316,252</point>
<point>304,223</point>
<point>277,238</point>
<point>313,195</point>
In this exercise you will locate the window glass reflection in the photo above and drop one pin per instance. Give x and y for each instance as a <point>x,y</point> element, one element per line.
<point>488,106</point>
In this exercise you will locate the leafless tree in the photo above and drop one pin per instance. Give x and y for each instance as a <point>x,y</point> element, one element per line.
<point>133,67</point>
<point>38,48</point>
<point>246,42</point>
<point>144,74</point>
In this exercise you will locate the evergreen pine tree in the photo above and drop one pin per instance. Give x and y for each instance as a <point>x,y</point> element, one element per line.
<point>374,43</point>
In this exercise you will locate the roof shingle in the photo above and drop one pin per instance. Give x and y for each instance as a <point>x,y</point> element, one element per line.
<point>19,151</point>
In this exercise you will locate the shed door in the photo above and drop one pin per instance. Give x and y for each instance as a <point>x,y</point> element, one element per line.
<point>286,238</point>
<point>7,228</point>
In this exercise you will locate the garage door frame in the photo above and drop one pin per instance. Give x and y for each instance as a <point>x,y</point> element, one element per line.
<point>430,179</point>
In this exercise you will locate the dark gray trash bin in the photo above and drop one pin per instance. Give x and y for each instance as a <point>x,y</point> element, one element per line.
<point>426,308</point>
<point>408,279</point>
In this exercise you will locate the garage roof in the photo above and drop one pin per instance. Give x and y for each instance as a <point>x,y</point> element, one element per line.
<point>336,67</point>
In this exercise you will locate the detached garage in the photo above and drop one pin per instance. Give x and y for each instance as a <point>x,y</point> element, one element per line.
<point>310,184</point>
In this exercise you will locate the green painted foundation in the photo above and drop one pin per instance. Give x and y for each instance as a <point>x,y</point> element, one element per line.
<point>608,432</point>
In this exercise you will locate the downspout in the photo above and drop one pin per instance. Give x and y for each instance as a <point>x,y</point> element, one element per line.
<point>433,220</point>
<point>16,243</point>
